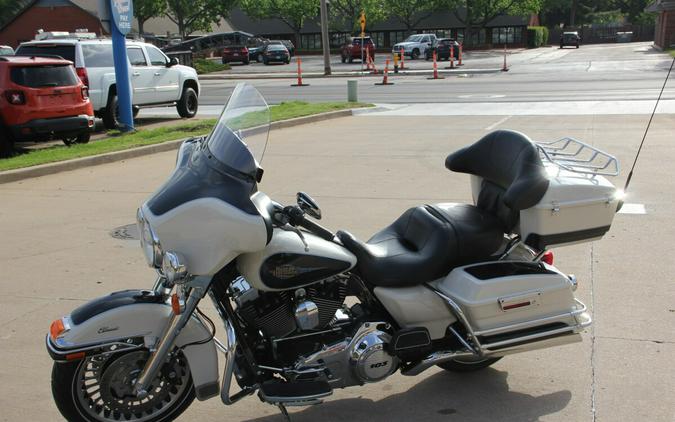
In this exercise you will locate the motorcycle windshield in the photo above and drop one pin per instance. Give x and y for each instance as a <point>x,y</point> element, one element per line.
<point>239,139</point>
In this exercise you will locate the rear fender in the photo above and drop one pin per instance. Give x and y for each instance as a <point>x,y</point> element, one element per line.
<point>129,320</point>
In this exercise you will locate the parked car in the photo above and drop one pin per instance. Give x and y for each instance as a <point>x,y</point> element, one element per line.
<point>415,45</point>
<point>352,50</point>
<point>570,38</point>
<point>235,53</point>
<point>6,50</point>
<point>275,53</point>
<point>42,99</point>
<point>155,79</point>
<point>442,48</point>
<point>255,53</point>
<point>289,46</point>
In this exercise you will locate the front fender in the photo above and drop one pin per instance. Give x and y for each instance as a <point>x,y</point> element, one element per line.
<point>130,319</point>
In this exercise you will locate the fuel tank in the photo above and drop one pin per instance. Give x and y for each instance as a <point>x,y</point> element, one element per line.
<point>287,264</point>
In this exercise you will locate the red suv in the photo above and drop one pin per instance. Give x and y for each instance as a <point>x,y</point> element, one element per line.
<point>352,50</point>
<point>235,53</point>
<point>40,99</point>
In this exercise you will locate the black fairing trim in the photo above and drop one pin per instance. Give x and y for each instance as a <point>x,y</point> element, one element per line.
<point>492,270</point>
<point>265,208</point>
<point>199,175</point>
<point>112,301</point>
<point>290,270</point>
<point>542,241</point>
<point>509,160</point>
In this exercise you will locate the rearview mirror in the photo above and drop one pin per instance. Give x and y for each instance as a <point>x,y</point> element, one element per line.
<point>172,62</point>
<point>308,205</point>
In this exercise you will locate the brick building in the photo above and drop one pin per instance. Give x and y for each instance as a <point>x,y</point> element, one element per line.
<point>50,15</point>
<point>664,36</point>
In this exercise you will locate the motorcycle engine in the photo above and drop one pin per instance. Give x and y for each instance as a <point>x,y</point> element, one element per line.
<point>278,314</point>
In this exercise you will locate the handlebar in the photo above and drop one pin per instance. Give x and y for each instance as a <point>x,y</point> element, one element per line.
<point>296,217</point>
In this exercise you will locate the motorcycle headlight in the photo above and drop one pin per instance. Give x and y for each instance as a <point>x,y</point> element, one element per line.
<point>149,241</point>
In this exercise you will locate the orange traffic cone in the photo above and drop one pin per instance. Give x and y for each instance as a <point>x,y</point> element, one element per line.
<point>299,61</point>
<point>435,76</point>
<point>385,80</point>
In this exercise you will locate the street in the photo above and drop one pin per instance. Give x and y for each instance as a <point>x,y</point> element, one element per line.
<point>57,250</point>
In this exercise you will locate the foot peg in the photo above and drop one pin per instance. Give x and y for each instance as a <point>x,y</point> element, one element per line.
<point>301,393</point>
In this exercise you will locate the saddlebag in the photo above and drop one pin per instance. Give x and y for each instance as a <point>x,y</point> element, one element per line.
<point>512,303</point>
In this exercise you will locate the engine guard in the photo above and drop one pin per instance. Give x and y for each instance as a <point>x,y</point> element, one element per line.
<point>125,321</point>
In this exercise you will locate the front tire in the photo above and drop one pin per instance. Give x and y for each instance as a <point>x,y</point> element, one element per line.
<point>82,138</point>
<point>467,365</point>
<point>96,389</point>
<point>415,54</point>
<point>188,104</point>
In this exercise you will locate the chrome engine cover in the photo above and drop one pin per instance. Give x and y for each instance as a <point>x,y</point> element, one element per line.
<point>354,361</point>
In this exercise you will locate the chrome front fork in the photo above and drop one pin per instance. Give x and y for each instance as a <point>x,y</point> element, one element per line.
<point>165,343</point>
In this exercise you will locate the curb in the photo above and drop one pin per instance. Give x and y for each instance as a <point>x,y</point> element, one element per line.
<point>111,157</point>
<point>420,72</point>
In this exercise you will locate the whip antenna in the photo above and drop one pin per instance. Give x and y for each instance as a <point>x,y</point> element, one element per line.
<point>630,175</point>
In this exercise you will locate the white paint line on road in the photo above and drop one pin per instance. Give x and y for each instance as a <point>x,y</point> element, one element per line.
<point>633,209</point>
<point>497,123</point>
<point>534,108</point>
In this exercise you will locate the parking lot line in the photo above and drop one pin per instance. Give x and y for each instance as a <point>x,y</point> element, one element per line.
<point>497,123</point>
<point>633,209</point>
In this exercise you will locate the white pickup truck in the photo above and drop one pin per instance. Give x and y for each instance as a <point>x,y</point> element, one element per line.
<point>155,79</point>
<point>415,45</point>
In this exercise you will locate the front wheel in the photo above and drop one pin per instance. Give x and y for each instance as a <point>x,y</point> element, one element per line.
<point>188,104</point>
<point>467,365</point>
<point>82,138</point>
<point>415,54</point>
<point>100,389</point>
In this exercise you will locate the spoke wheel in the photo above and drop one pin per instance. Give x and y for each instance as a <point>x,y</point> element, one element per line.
<point>103,388</point>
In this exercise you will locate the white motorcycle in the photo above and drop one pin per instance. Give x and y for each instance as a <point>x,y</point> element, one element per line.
<point>307,310</point>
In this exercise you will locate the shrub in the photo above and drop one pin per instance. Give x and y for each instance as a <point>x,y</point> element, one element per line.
<point>537,36</point>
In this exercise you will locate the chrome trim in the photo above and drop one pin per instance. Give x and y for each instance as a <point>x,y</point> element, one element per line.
<point>581,308</point>
<point>229,351</point>
<point>569,329</point>
<point>294,401</point>
<point>457,311</point>
<point>434,359</point>
<point>115,346</point>
<point>173,267</point>
<point>580,158</point>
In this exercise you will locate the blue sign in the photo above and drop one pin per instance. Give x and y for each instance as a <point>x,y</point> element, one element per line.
<point>122,14</point>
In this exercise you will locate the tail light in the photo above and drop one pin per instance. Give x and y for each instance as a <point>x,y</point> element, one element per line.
<point>15,97</point>
<point>85,92</point>
<point>547,257</point>
<point>244,50</point>
<point>82,73</point>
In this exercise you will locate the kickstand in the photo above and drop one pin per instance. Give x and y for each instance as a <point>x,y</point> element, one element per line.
<point>284,412</point>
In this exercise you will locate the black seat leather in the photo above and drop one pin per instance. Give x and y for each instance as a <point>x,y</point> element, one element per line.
<point>425,243</point>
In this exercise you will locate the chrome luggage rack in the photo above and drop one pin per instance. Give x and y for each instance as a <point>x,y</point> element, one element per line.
<point>573,155</point>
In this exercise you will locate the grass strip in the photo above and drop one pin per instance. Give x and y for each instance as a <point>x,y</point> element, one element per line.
<point>170,132</point>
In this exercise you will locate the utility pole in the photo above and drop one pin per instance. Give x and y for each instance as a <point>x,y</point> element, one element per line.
<point>324,38</point>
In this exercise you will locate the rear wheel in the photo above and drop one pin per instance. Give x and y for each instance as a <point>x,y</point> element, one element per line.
<point>467,365</point>
<point>110,115</point>
<point>343,58</point>
<point>100,388</point>
<point>188,104</point>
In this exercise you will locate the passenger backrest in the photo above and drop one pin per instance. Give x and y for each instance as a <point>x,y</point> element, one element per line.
<point>514,177</point>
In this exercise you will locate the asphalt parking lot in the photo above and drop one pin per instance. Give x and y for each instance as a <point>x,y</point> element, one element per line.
<point>57,252</point>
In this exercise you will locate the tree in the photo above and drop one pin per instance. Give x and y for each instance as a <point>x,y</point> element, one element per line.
<point>478,13</point>
<point>411,12</point>
<point>146,9</point>
<point>196,15</point>
<point>10,8</point>
<point>294,13</point>
<point>345,13</point>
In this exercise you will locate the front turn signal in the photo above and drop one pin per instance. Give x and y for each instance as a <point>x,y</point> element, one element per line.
<point>56,329</point>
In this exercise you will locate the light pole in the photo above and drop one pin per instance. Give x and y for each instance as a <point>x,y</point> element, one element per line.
<point>324,38</point>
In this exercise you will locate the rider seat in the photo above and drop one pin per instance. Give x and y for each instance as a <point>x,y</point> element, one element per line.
<point>427,242</point>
